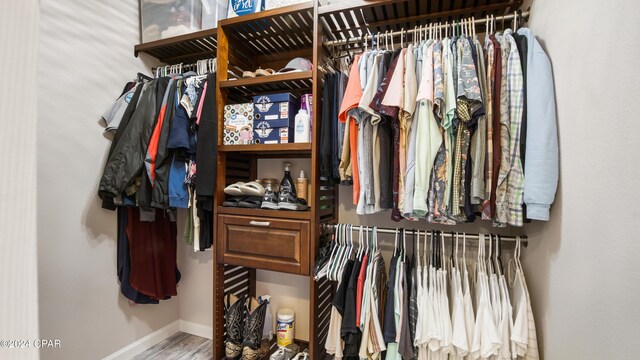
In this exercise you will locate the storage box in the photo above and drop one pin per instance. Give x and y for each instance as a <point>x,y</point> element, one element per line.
<point>274,117</point>
<point>244,7</point>
<point>212,12</point>
<point>238,124</point>
<point>272,4</point>
<point>161,19</point>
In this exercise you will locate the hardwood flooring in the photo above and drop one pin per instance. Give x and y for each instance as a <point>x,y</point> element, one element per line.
<point>180,346</point>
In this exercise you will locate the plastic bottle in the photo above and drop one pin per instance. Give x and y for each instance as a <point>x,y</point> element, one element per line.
<point>287,185</point>
<point>302,131</point>
<point>285,319</point>
<point>301,186</point>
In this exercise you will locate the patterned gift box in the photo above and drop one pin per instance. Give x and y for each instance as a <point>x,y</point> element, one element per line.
<point>238,124</point>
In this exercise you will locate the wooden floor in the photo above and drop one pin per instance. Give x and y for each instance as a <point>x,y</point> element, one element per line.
<point>181,346</point>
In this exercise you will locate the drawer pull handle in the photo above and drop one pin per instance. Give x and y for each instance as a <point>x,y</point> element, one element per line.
<point>259,223</point>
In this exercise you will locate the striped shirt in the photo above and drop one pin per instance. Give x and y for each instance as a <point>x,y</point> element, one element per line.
<point>515,90</point>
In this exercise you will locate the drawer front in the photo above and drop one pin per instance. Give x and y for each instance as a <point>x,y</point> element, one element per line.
<point>264,243</point>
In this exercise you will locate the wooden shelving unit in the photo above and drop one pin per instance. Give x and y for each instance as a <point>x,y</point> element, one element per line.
<point>284,241</point>
<point>270,39</point>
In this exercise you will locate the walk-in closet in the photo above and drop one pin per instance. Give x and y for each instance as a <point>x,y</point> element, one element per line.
<point>315,180</point>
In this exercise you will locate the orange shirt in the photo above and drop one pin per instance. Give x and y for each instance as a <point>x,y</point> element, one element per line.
<point>351,100</point>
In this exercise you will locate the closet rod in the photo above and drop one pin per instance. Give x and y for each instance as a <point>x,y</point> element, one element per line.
<point>479,21</point>
<point>523,239</point>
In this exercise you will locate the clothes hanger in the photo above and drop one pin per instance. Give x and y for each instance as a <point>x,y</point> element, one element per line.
<point>491,267</point>
<point>417,253</point>
<point>497,255</point>
<point>395,244</point>
<point>443,252</point>
<point>375,238</point>
<point>334,250</point>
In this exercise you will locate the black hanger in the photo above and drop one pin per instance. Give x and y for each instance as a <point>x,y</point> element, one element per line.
<point>142,77</point>
<point>453,247</point>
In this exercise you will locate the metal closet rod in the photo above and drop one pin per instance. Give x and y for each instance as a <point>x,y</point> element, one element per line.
<point>187,67</point>
<point>381,230</point>
<point>479,21</point>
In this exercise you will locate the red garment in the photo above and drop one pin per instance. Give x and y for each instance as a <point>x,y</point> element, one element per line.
<point>360,287</point>
<point>153,255</point>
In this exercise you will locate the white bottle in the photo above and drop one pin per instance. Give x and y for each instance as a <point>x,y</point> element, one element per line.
<point>302,129</point>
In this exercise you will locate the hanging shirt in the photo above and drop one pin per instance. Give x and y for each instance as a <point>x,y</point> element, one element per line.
<point>468,101</point>
<point>541,168</point>
<point>390,105</point>
<point>488,170</point>
<point>449,123</point>
<point>479,140</point>
<point>407,108</point>
<point>501,216</point>
<point>384,134</point>
<point>366,201</point>
<point>497,103</point>
<point>515,89</point>
<point>429,136</point>
<point>352,96</point>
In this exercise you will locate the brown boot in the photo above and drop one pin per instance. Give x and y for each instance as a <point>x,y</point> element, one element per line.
<point>254,346</point>
<point>234,316</point>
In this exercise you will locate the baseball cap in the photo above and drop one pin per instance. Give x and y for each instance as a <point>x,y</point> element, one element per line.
<point>297,64</point>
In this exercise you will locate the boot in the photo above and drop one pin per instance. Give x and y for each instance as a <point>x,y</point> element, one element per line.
<point>254,346</point>
<point>234,316</point>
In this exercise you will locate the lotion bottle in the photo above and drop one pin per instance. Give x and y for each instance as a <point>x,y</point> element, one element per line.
<point>302,129</point>
<point>302,186</point>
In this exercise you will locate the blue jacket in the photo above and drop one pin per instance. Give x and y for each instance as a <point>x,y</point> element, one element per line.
<point>541,167</point>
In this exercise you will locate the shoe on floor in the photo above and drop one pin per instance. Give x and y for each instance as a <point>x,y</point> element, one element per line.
<point>234,189</point>
<point>287,201</point>
<point>283,353</point>
<point>250,202</point>
<point>252,188</point>
<point>302,356</point>
<point>234,316</point>
<point>254,346</point>
<point>270,200</point>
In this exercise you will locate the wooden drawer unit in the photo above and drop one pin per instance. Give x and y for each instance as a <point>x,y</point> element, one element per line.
<point>264,243</point>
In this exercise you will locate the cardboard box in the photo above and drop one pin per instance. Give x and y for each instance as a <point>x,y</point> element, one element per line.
<point>244,7</point>
<point>238,124</point>
<point>274,117</point>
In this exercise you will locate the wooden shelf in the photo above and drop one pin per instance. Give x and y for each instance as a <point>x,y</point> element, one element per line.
<point>280,214</point>
<point>288,29</point>
<point>184,48</point>
<point>297,83</point>
<point>271,150</point>
<point>263,80</point>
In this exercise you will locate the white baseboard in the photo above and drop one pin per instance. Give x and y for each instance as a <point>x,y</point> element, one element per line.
<point>146,342</point>
<point>196,329</point>
<point>157,336</point>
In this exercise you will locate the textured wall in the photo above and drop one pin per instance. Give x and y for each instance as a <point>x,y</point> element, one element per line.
<point>85,57</point>
<point>583,265</point>
<point>18,120</point>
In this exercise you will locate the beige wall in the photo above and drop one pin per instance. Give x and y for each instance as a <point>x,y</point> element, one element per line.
<point>583,267</point>
<point>86,56</point>
<point>18,120</point>
<point>195,290</point>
